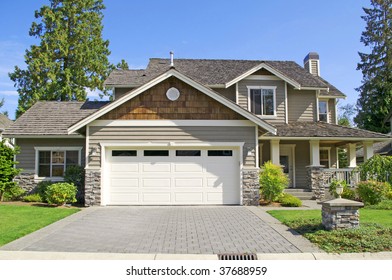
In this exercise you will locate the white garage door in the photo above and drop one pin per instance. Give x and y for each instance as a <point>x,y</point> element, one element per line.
<point>172,176</point>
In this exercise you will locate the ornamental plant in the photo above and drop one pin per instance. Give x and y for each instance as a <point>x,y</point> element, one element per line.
<point>7,169</point>
<point>373,192</point>
<point>378,168</point>
<point>61,193</point>
<point>347,193</point>
<point>272,181</point>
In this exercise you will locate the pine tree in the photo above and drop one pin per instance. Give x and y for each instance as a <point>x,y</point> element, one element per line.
<point>375,99</point>
<point>70,58</point>
<point>123,65</point>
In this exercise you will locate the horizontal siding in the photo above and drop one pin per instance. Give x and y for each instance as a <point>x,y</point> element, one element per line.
<point>229,93</point>
<point>301,104</point>
<point>192,134</point>
<point>26,157</point>
<point>280,96</point>
<point>332,111</point>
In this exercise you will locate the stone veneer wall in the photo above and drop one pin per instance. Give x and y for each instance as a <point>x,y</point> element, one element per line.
<point>250,187</point>
<point>92,193</point>
<point>26,181</point>
<point>315,180</point>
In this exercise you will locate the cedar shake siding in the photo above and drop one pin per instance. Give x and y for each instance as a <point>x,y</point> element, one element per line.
<point>189,134</point>
<point>229,92</point>
<point>154,105</point>
<point>301,105</point>
<point>120,92</point>
<point>26,157</point>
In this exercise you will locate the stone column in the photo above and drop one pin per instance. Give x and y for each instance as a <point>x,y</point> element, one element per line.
<point>92,192</point>
<point>315,180</point>
<point>340,213</point>
<point>26,181</point>
<point>250,187</point>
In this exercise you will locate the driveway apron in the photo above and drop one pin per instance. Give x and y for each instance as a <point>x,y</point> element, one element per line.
<point>159,230</point>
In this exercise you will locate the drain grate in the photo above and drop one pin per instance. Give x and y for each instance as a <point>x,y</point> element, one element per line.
<point>237,257</point>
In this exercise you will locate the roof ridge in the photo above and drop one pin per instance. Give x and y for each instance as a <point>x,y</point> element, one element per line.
<point>222,59</point>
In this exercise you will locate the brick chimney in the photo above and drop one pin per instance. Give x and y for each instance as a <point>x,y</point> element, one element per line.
<point>312,63</point>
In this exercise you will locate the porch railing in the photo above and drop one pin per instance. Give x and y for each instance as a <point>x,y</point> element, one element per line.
<point>350,175</point>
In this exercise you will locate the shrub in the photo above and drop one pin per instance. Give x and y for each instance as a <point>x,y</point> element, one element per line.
<point>75,175</point>
<point>272,181</point>
<point>7,170</point>
<point>347,193</point>
<point>289,200</point>
<point>383,205</point>
<point>35,197</point>
<point>61,193</point>
<point>373,192</point>
<point>378,168</point>
<point>13,193</point>
<point>41,189</point>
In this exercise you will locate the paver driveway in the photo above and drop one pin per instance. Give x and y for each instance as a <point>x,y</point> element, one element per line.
<point>166,230</point>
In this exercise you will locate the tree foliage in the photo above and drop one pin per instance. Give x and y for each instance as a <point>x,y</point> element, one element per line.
<point>122,65</point>
<point>1,105</point>
<point>70,58</point>
<point>7,169</point>
<point>375,99</point>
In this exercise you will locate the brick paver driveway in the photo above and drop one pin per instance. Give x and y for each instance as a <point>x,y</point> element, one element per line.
<point>166,230</point>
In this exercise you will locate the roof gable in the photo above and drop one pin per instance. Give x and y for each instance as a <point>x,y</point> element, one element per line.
<point>173,73</point>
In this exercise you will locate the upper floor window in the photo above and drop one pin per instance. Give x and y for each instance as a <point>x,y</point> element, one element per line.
<point>323,110</point>
<point>262,100</point>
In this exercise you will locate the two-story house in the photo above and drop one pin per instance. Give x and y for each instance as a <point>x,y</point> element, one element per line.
<point>191,132</point>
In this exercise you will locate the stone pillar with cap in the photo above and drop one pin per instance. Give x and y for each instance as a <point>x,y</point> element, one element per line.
<point>340,213</point>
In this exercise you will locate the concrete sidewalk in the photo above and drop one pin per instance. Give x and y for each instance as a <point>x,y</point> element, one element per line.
<point>28,255</point>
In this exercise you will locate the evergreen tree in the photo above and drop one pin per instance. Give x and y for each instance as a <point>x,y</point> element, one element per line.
<point>123,65</point>
<point>70,58</point>
<point>375,99</point>
<point>1,105</point>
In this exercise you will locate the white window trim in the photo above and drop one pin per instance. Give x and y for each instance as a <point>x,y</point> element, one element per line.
<point>329,155</point>
<point>318,111</point>
<point>53,149</point>
<point>261,88</point>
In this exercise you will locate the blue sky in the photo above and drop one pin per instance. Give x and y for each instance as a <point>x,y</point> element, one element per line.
<point>246,29</point>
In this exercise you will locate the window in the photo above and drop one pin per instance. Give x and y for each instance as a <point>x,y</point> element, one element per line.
<point>262,100</point>
<point>324,157</point>
<point>220,153</point>
<point>53,163</point>
<point>323,110</point>
<point>156,153</point>
<point>188,153</point>
<point>123,153</point>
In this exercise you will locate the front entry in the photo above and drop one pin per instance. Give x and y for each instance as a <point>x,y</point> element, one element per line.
<point>287,162</point>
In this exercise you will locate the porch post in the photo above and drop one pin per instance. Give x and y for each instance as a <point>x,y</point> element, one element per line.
<point>367,150</point>
<point>275,156</point>
<point>314,152</point>
<point>352,156</point>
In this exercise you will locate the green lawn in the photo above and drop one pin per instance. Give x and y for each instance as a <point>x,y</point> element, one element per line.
<point>17,221</point>
<point>374,234</point>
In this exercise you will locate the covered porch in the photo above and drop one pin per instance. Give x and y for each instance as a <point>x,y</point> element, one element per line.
<point>308,153</point>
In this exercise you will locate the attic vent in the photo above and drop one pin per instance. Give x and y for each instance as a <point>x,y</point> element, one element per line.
<point>237,257</point>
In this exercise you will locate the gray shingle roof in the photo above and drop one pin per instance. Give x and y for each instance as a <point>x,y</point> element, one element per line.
<point>322,129</point>
<point>4,122</point>
<point>52,117</point>
<point>216,72</point>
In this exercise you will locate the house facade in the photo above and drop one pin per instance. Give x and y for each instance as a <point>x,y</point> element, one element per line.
<point>192,132</point>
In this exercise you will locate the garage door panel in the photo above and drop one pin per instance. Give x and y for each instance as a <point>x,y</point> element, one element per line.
<point>125,183</point>
<point>156,167</point>
<point>156,198</point>
<point>189,198</point>
<point>188,183</point>
<point>156,183</point>
<point>188,167</point>
<point>124,167</point>
<point>124,198</point>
